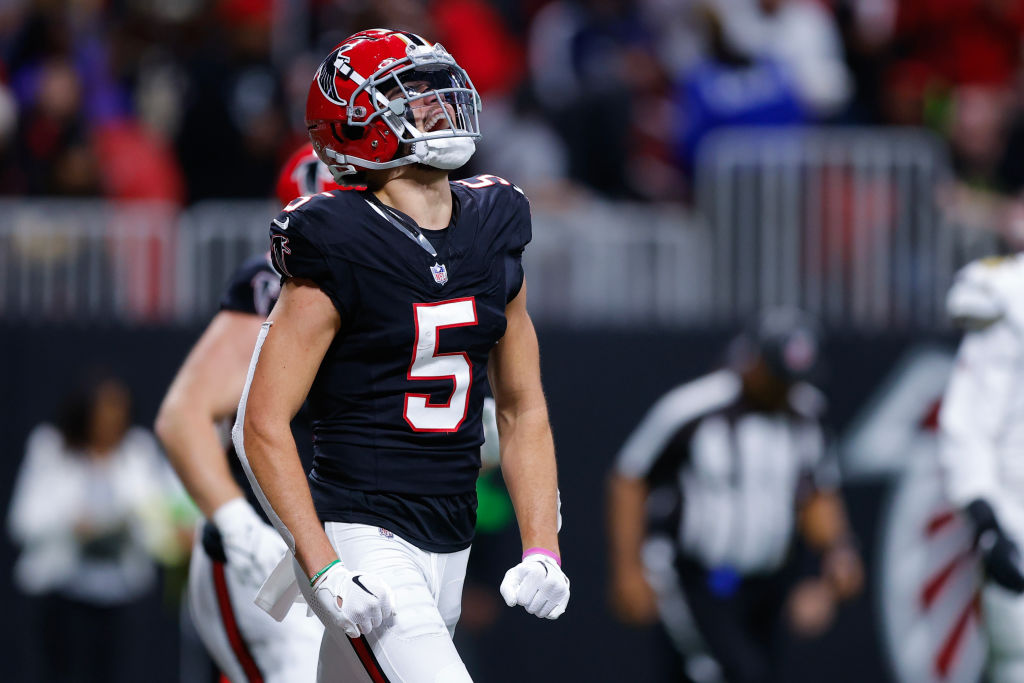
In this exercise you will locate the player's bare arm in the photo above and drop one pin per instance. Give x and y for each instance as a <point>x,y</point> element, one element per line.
<point>823,524</point>
<point>302,325</point>
<point>631,596</point>
<point>528,466</point>
<point>527,448</point>
<point>205,390</point>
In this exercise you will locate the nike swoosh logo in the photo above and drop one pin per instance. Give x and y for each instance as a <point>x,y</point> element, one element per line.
<point>283,225</point>
<point>356,581</point>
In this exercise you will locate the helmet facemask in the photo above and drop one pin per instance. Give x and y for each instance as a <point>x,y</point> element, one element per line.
<point>426,79</point>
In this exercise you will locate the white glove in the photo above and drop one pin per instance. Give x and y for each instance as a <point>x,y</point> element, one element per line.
<point>252,547</point>
<point>355,602</point>
<point>538,584</point>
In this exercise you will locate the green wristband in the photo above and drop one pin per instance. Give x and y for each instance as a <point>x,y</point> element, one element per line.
<point>323,571</point>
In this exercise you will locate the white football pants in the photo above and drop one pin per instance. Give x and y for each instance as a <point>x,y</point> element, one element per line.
<point>246,642</point>
<point>415,646</point>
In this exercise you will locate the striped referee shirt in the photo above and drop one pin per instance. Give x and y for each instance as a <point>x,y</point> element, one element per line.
<point>726,475</point>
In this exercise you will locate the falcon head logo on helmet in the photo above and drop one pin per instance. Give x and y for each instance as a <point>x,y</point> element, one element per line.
<point>327,75</point>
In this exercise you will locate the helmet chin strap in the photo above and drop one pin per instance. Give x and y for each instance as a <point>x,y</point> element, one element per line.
<point>444,153</point>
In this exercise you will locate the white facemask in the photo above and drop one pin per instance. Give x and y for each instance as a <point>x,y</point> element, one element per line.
<point>444,153</point>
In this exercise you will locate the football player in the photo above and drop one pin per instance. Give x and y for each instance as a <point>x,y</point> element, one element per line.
<point>304,175</point>
<point>236,549</point>
<point>398,304</point>
<point>982,433</point>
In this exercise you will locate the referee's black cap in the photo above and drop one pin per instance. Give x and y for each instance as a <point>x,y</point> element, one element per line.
<point>789,340</point>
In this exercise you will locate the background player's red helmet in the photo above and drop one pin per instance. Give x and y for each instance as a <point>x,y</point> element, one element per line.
<point>304,174</point>
<point>387,98</point>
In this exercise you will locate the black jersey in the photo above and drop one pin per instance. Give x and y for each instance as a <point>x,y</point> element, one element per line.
<point>397,402</point>
<point>253,288</point>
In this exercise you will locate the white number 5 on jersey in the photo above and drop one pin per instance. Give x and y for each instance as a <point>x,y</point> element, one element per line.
<point>427,363</point>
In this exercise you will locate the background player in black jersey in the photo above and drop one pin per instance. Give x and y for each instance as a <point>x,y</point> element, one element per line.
<point>396,305</point>
<point>235,548</point>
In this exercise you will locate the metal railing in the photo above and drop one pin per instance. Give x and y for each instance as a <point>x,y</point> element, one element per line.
<point>844,223</point>
<point>80,260</point>
<point>215,237</point>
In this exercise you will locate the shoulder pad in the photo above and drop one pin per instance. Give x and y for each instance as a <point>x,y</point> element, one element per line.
<point>487,180</point>
<point>975,299</point>
<point>320,204</point>
<point>506,205</point>
<point>253,287</point>
<point>296,239</point>
<point>45,437</point>
<point>499,188</point>
<point>306,242</point>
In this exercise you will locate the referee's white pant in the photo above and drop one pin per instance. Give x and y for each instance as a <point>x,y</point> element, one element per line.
<point>247,644</point>
<point>416,646</point>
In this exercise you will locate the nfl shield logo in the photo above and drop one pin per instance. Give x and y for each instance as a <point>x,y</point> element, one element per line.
<point>439,272</point>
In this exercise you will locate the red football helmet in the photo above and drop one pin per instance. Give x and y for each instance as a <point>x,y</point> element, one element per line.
<point>386,98</point>
<point>304,174</point>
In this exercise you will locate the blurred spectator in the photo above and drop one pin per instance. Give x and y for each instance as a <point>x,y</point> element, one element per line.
<point>72,74</point>
<point>731,88</point>
<point>964,42</point>
<point>866,27</point>
<point>679,30</point>
<point>802,36</point>
<point>56,153</point>
<point>155,100</point>
<point>11,178</point>
<point>719,476</point>
<point>234,133</point>
<point>979,121</point>
<point>589,63</point>
<point>137,164</point>
<point>519,145</point>
<point>952,65</point>
<point>473,32</point>
<point>93,504</point>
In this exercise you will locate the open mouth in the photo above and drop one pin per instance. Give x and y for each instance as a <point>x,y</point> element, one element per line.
<point>435,121</point>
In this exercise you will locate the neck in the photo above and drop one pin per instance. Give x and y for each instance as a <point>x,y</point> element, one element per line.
<point>764,391</point>
<point>421,193</point>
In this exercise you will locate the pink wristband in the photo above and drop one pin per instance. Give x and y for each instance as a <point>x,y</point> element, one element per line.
<point>543,551</point>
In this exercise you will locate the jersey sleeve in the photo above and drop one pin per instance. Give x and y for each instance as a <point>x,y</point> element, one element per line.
<point>520,232</point>
<point>665,430</point>
<point>298,251</point>
<point>661,442</point>
<point>975,413</point>
<point>253,288</point>
<point>817,460</point>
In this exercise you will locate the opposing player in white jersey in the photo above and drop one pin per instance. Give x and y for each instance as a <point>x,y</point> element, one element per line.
<point>235,548</point>
<point>982,447</point>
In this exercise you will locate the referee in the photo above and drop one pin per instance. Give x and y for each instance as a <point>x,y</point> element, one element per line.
<point>706,501</point>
